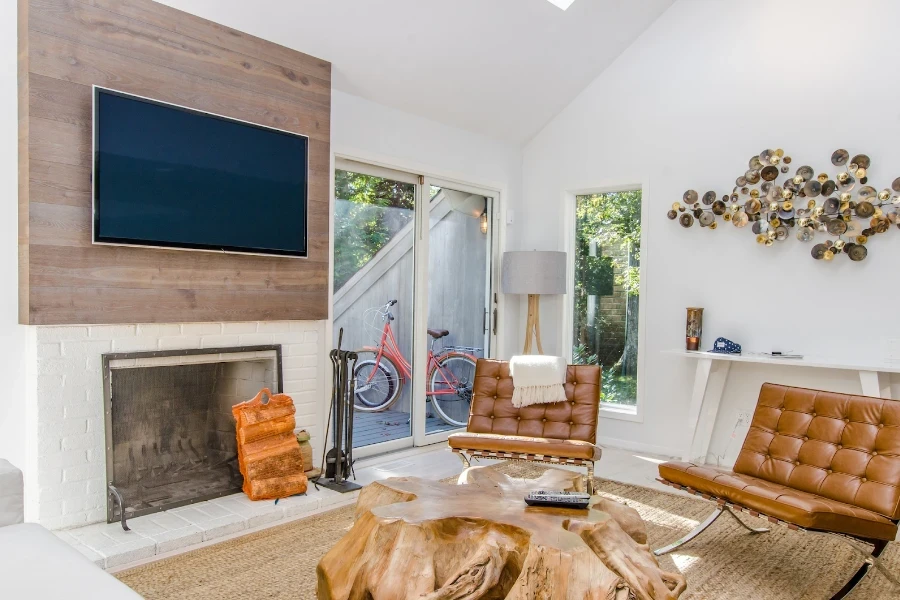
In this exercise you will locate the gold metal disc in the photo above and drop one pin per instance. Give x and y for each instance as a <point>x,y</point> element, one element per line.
<point>840,157</point>
<point>861,161</point>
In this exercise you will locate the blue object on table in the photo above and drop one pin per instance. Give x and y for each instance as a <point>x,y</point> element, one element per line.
<point>725,346</point>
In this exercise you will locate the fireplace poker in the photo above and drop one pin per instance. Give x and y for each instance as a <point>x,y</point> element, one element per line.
<point>337,463</point>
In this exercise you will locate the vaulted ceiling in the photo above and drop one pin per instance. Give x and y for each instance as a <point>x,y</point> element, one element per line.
<point>502,68</point>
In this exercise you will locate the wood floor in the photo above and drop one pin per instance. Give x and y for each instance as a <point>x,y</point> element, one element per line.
<point>388,425</point>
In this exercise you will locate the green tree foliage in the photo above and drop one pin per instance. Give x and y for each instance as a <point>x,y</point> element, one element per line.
<point>610,220</point>
<point>368,224</point>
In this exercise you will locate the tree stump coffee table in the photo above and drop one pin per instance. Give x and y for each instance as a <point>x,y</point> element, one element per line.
<point>425,540</point>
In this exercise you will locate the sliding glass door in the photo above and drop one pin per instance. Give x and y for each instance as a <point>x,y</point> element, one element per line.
<point>374,267</point>
<point>413,295</point>
<point>459,303</point>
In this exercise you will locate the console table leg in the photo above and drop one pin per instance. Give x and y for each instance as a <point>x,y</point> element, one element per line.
<point>709,383</point>
<point>875,384</point>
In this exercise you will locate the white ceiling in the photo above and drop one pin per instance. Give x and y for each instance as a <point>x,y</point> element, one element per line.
<point>502,68</point>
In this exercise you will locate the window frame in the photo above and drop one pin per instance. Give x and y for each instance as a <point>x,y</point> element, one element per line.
<point>608,410</point>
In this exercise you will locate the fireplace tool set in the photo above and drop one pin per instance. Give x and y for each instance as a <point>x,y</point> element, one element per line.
<point>338,462</point>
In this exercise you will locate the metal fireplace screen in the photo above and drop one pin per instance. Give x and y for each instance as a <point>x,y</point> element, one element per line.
<point>170,435</point>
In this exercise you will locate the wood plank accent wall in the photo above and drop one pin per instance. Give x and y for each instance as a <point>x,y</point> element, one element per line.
<point>145,48</point>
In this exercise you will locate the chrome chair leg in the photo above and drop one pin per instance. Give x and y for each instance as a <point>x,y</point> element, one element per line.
<point>589,479</point>
<point>744,525</point>
<point>879,565</point>
<point>465,461</point>
<point>720,509</point>
<point>871,560</point>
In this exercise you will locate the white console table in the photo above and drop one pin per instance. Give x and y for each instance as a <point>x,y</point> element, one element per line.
<point>712,370</point>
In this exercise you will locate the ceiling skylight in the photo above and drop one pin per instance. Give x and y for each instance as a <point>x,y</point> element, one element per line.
<point>563,4</point>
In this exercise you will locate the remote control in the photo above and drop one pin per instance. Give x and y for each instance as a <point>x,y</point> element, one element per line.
<point>558,498</point>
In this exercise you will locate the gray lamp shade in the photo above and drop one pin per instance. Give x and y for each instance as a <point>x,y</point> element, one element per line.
<point>533,272</point>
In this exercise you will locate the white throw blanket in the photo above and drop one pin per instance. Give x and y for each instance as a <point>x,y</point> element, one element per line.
<point>537,379</point>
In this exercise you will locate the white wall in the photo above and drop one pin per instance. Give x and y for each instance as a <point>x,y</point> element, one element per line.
<point>706,86</point>
<point>365,130</point>
<point>12,336</point>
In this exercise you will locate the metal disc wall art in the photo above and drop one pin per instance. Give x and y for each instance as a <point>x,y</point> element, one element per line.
<point>844,206</point>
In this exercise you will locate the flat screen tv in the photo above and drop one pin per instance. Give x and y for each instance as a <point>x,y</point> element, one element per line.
<point>172,177</point>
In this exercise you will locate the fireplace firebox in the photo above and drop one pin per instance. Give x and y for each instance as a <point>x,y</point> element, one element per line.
<point>170,433</point>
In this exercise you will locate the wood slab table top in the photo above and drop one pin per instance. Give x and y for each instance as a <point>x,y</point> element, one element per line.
<point>415,538</point>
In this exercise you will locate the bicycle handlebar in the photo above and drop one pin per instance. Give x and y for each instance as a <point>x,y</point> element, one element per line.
<point>386,310</point>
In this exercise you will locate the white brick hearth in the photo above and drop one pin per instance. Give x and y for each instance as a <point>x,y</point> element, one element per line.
<point>163,534</point>
<point>109,546</point>
<point>66,472</point>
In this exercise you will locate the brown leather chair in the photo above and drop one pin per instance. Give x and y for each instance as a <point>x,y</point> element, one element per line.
<point>561,432</point>
<point>816,461</point>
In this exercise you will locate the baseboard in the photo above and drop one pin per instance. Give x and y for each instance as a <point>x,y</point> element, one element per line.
<point>633,446</point>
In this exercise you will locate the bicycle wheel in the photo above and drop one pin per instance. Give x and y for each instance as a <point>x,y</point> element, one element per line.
<point>378,383</point>
<point>450,387</point>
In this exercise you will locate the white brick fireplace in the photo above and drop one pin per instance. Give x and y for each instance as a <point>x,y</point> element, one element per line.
<point>64,406</point>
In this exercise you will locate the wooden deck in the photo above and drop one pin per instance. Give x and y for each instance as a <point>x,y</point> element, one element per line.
<point>388,425</point>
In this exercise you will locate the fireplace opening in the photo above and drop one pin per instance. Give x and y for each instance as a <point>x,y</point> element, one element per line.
<point>170,433</point>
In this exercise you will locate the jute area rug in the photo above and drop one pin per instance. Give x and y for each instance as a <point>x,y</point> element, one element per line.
<point>725,562</point>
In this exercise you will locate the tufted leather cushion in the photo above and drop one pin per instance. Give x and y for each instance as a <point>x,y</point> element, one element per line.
<point>562,429</point>
<point>492,410</point>
<point>817,459</point>
<point>793,506</point>
<point>518,444</point>
<point>845,448</point>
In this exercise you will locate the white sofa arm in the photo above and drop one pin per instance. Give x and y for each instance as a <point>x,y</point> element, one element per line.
<point>12,495</point>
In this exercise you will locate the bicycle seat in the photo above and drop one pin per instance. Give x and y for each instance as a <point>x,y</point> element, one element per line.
<point>438,333</point>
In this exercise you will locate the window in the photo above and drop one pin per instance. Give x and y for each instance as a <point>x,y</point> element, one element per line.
<point>369,212</point>
<point>607,284</point>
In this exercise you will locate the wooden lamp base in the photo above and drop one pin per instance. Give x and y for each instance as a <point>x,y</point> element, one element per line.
<point>533,324</point>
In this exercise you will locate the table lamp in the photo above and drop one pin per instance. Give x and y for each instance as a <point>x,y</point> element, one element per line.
<point>534,273</point>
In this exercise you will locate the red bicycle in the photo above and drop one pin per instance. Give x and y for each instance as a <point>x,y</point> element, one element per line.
<point>382,370</point>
